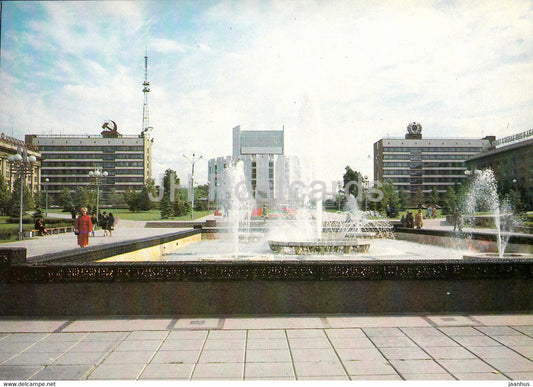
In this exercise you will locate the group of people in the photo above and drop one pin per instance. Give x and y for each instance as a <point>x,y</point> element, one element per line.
<point>85,225</point>
<point>410,221</point>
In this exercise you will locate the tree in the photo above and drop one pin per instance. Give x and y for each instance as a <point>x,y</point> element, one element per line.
<point>114,198</point>
<point>434,196</point>
<point>85,197</point>
<point>351,176</point>
<point>14,201</point>
<point>390,197</point>
<point>403,199</point>
<point>419,198</point>
<point>450,201</point>
<point>65,199</point>
<point>166,207</point>
<point>5,196</point>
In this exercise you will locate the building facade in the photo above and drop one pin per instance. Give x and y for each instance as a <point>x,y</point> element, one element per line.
<point>11,146</point>
<point>413,163</point>
<point>511,159</point>
<point>68,159</point>
<point>267,171</point>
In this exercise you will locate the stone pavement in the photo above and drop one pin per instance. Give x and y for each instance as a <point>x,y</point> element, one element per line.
<point>450,347</point>
<point>125,230</point>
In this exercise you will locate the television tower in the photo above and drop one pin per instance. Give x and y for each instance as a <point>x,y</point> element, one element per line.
<point>146,89</point>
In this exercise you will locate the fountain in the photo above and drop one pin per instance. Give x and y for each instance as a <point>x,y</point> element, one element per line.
<point>345,232</point>
<point>483,196</point>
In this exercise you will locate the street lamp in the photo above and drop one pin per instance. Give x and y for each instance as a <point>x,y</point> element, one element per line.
<point>97,175</point>
<point>365,180</point>
<point>46,181</point>
<point>21,165</point>
<point>193,161</point>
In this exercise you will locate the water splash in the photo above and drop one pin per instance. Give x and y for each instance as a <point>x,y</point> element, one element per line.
<point>237,204</point>
<point>483,197</point>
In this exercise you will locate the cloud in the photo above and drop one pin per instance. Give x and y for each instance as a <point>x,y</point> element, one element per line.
<point>365,69</point>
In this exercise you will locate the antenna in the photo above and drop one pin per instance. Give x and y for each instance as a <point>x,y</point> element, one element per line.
<point>146,89</point>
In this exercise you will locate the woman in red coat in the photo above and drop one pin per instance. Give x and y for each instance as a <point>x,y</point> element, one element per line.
<point>83,226</point>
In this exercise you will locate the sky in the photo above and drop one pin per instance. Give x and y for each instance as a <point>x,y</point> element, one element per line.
<point>338,75</point>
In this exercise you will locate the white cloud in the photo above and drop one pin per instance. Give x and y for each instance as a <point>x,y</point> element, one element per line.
<point>369,68</point>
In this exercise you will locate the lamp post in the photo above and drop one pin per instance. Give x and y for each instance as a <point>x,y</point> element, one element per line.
<point>46,181</point>
<point>365,180</point>
<point>193,161</point>
<point>97,175</point>
<point>21,165</point>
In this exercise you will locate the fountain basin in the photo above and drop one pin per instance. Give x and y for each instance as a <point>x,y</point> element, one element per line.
<point>496,256</point>
<point>323,246</point>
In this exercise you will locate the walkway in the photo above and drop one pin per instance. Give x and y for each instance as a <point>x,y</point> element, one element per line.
<point>452,347</point>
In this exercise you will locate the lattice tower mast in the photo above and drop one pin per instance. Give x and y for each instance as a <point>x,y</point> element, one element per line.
<point>146,89</point>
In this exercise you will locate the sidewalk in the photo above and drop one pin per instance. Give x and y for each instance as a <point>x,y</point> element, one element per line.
<point>451,347</point>
<point>126,230</point>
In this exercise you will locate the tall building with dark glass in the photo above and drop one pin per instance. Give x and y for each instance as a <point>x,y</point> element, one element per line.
<point>415,164</point>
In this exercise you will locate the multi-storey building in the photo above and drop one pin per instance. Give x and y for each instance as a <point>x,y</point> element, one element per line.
<point>413,163</point>
<point>511,159</point>
<point>68,159</point>
<point>10,146</point>
<point>267,171</point>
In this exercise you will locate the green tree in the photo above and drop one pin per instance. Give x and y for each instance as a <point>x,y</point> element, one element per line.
<point>434,196</point>
<point>14,202</point>
<point>166,205</point>
<point>390,197</point>
<point>5,196</point>
<point>85,197</point>
<point>65,199</point>
<point>450,201</point>
<point>419,198</point>
<point>114,198</point>
<point>403,199</point>
<point>350,177</point>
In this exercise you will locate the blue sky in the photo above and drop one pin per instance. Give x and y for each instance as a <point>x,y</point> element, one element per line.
<point>338,75</point>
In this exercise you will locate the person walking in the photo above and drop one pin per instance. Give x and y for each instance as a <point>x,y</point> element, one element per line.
<point>103,223</point>
<point>110,224</point>
<point>409,220</point>
<point>457,220</point>
<point>73,212</point>
<point>82,227</point>
<point>94,221</point>
<point>419,219</point>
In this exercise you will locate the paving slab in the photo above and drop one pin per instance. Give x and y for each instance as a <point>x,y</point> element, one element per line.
<point>274,323</point>
<point>21,326</point>
<point>269,370</point>
<point>268,356</point>
<point>63,372</point>
<point>176,357</point>
<point>18,372</point>
<point>323,369</point>
<point>389,321</point>
<point>168,371</point>
<point>502,319</point>
<point>116,372</point>
<point>447,320</point>
<point>107,325</point>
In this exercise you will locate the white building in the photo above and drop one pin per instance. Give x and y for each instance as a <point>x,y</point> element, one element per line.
<point>268,172</point>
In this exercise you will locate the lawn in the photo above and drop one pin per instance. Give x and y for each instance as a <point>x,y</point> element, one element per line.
<point>152,215</point>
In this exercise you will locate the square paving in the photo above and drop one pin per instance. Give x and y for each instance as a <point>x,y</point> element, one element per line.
<point>424,347</point>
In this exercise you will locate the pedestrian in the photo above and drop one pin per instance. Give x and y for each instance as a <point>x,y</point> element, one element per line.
<point>409,220</point>
<point>94,221</point>
<point>82,227</point>
<point>73,212</point>
<point>39,225</point>
<point>418,219</point>
<point>103,223</point>
<point>389,211</point>
<point>403,223</point>
<point>433,212</point>
<point>110,223</point>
